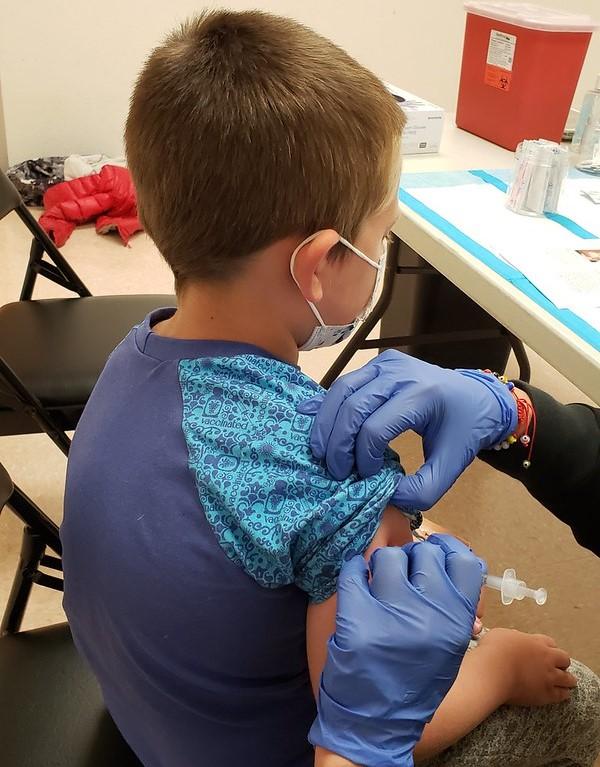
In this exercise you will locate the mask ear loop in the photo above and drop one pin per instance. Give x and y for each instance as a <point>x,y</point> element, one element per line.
<point>346,244</point>
<point>359,253</point>
<point>379,268</point>
<point>313,308</point>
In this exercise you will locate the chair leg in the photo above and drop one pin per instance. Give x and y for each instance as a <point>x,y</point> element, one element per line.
<point>68,277</point>
<point>355,343</point>
<point>33,517</point>
<point>521,357</point>
<point>40,532</point>
<point>36,253</point>
<point>32,551</point>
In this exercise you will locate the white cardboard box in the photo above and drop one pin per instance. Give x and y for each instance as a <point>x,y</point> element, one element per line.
<point>424,122</point>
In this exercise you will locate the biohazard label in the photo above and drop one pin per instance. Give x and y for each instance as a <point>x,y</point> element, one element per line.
<point>500,58</point>
<point>497,77</point>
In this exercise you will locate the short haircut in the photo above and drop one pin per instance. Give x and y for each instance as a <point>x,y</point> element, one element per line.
<point>245,128</point>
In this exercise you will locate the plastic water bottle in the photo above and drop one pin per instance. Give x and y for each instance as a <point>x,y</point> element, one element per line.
<point>586,139</point>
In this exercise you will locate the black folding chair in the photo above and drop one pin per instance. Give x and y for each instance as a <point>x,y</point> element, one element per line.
<point>53,350</point>
<point>51,354</point>
<point>396,269</point>
<point>51,706</point>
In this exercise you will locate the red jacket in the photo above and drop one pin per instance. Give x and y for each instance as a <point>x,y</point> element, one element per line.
<point>107,197</point>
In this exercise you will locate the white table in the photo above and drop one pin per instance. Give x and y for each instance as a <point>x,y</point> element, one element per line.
<point>557,344</point>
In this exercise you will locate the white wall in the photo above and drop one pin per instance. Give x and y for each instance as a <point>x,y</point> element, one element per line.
<point>3,144</point>
<point>67,68</point>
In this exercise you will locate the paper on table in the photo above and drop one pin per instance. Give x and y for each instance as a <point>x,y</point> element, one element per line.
<point>541,249</point>
<point>564,275</point>
<point>479,211</point>
<point>579,208</point>
<point>591,316</point>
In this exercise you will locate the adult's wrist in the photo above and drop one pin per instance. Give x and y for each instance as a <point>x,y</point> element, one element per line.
<point>500,391</point>
<point>521,394</point>
<point>325,758</point>
<point>355,735</point>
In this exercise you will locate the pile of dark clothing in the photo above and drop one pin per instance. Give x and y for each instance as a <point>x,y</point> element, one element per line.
<point>33,177</point>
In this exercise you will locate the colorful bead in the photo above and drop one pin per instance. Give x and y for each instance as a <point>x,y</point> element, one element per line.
<point>525,415</point>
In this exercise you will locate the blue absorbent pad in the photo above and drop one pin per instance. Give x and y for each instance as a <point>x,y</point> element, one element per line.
<point>498,179</point>
<point>274,509</point>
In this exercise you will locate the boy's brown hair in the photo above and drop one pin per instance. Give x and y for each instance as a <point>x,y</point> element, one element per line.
<point>245,128</point>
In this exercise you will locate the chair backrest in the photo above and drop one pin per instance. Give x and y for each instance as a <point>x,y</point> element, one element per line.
<point>6,487</point>
<point>9,197</point>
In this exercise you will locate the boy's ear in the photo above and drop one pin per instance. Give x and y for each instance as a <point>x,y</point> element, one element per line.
<point>310,261</point>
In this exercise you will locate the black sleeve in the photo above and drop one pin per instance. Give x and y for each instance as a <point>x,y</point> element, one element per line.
<point>564,474</point>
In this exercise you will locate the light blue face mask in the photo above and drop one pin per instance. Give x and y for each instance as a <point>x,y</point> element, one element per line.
<point>328,335</point>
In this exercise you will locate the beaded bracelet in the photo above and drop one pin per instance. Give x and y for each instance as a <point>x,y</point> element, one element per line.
<point>525,416</point>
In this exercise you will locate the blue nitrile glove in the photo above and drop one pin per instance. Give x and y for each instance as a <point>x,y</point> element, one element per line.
<point>457,413</point>
<point>398,644</point>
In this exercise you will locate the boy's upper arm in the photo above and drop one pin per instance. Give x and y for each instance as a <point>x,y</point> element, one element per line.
<point>394,530</point>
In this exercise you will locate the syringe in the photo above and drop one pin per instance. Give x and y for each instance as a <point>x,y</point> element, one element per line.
<point>511,588</point>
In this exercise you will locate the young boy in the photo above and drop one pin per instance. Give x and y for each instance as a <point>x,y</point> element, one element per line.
<point>202,541</point>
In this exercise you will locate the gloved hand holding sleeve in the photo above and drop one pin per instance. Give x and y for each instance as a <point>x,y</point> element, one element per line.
<point>456,412</point>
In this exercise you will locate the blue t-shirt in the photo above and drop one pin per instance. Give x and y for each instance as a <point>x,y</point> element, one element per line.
<point>197,526</point>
